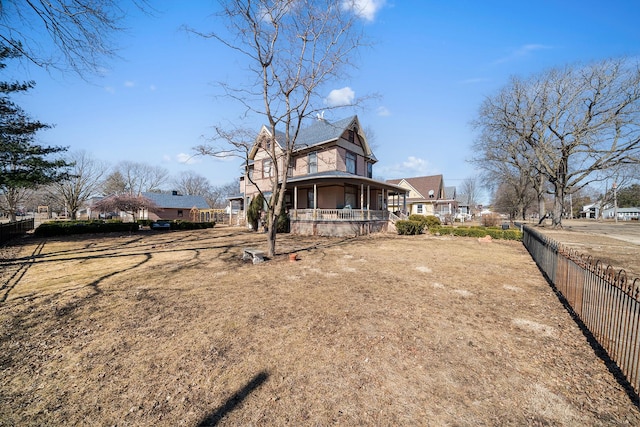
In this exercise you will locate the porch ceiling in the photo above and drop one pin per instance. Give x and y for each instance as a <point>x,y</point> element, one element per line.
<point>342,178</point>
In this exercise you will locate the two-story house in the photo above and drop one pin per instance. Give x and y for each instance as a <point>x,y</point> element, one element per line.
<point>426,195</point>
<point>330,187</point>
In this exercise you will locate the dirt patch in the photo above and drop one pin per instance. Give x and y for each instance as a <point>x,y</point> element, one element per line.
<point>174,329</point>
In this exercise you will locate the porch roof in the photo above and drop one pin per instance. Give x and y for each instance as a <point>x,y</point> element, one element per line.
<point>339,177</point>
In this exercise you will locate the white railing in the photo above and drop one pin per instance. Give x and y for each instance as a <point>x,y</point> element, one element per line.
<point>393,217</point>
<point>338,215</point>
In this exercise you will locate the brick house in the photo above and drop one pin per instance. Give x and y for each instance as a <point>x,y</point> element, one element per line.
<point>330,187</point>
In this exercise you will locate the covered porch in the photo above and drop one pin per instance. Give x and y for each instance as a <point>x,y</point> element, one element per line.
<point>339,204</point>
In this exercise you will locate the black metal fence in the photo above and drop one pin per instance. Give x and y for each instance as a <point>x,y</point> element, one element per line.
<point>13,229</point>
<point>605,300</point>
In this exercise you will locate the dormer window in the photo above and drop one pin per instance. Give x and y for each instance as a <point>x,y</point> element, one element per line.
<point>352,135</point>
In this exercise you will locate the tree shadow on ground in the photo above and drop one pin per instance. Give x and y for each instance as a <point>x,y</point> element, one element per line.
<point>232,402</point>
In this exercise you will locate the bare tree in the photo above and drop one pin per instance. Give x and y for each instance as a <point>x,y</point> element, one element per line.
<point>217,198</point>
<point>114,183</point>
<point>63,33</point>
<point>293,49</point>
<point>134,178</point>
<point>83,181</point>
<point>567,125</point>
<point>471,189</point>
<point>191,183</point>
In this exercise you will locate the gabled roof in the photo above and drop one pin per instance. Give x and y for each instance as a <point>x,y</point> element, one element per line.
<point>450,193</point>
<point>172,201</point>
<point>321,131</point>
<point>423,185</point>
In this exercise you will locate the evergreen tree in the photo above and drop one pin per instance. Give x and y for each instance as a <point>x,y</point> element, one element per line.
<point>24,164</point>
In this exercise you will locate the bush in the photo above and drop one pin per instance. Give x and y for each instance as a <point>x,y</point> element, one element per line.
<point>283,224</point>
<point>254,210</point>
<point>409,227</point>
<point>68,228</point>
<point>428,221</point>
<point>490,220</point>
<point>475,231</point>
<point>145,222</point>
<point>188,225</point>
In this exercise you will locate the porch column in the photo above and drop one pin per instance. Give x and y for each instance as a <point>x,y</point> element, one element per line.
<point>295,201</point>
<point>361,201</point>
<point>368,202</point>
<point>315,200</point>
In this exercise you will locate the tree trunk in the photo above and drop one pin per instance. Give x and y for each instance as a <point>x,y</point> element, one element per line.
<point>271,234</point>
<point>558,204</point>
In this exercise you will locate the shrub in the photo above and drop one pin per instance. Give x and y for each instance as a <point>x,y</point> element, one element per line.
<point>475,231</point>
<point>283,223</point>
<point>409,227</point>
<point>68,228</point>
<point>253,213</point>
<point>428,221</point>
<point>490,220</point>
<point>145,222</point>
<point>433,221</point>
<point>188,225</point>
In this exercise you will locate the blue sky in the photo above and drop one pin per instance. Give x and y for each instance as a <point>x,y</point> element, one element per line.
<point>432,64</point>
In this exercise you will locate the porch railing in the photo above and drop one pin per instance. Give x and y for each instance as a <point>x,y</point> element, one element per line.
<point>338,215</point>
<point>606,301</point>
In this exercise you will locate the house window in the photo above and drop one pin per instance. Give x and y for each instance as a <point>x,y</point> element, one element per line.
<point>267,168</point>
<point>250,172</point>
<point>419,209</point>
<point>313,162</point>
<point>350,197</point>
<point>179,213</point>
<point>351,162</point>
<point>292,166</point>
<point>352,136</point>
<point>310,200</point>
<point>369,170</point>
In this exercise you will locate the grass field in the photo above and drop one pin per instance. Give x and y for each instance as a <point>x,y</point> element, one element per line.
<point>174,329</point>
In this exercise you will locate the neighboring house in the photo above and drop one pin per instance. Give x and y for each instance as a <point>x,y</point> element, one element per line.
<point>427,195</point>
<point>330,187</point>
<point>464,212</point>
<point>175,206</point>
<point>590,211</point>
<point>624,214</point>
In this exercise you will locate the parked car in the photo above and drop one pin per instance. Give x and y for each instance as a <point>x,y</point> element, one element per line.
<point>161,225</point>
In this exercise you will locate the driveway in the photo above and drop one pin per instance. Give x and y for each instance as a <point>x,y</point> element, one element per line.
<point>628,231</point>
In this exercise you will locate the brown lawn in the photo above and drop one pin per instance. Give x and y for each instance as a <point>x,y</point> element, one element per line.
<point>174,329</point>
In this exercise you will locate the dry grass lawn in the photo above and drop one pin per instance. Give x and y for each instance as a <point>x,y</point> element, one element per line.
<point>173,329</point>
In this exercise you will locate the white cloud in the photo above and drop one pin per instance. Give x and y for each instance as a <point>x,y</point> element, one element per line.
<point>415,163</point>
<point>109,89</point>
<point>413,166</point>
<point>188,159</point>
<point>166,158</point>
<point>383,111</point>
<point>366,9</point>
<point>129,83</point>
<point>152,88</point>
<point>522,51</point>
<point>340,97</point>
<point>475,80</point>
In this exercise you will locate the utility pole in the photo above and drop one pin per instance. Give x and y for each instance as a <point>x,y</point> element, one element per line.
<point>615,201</point>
